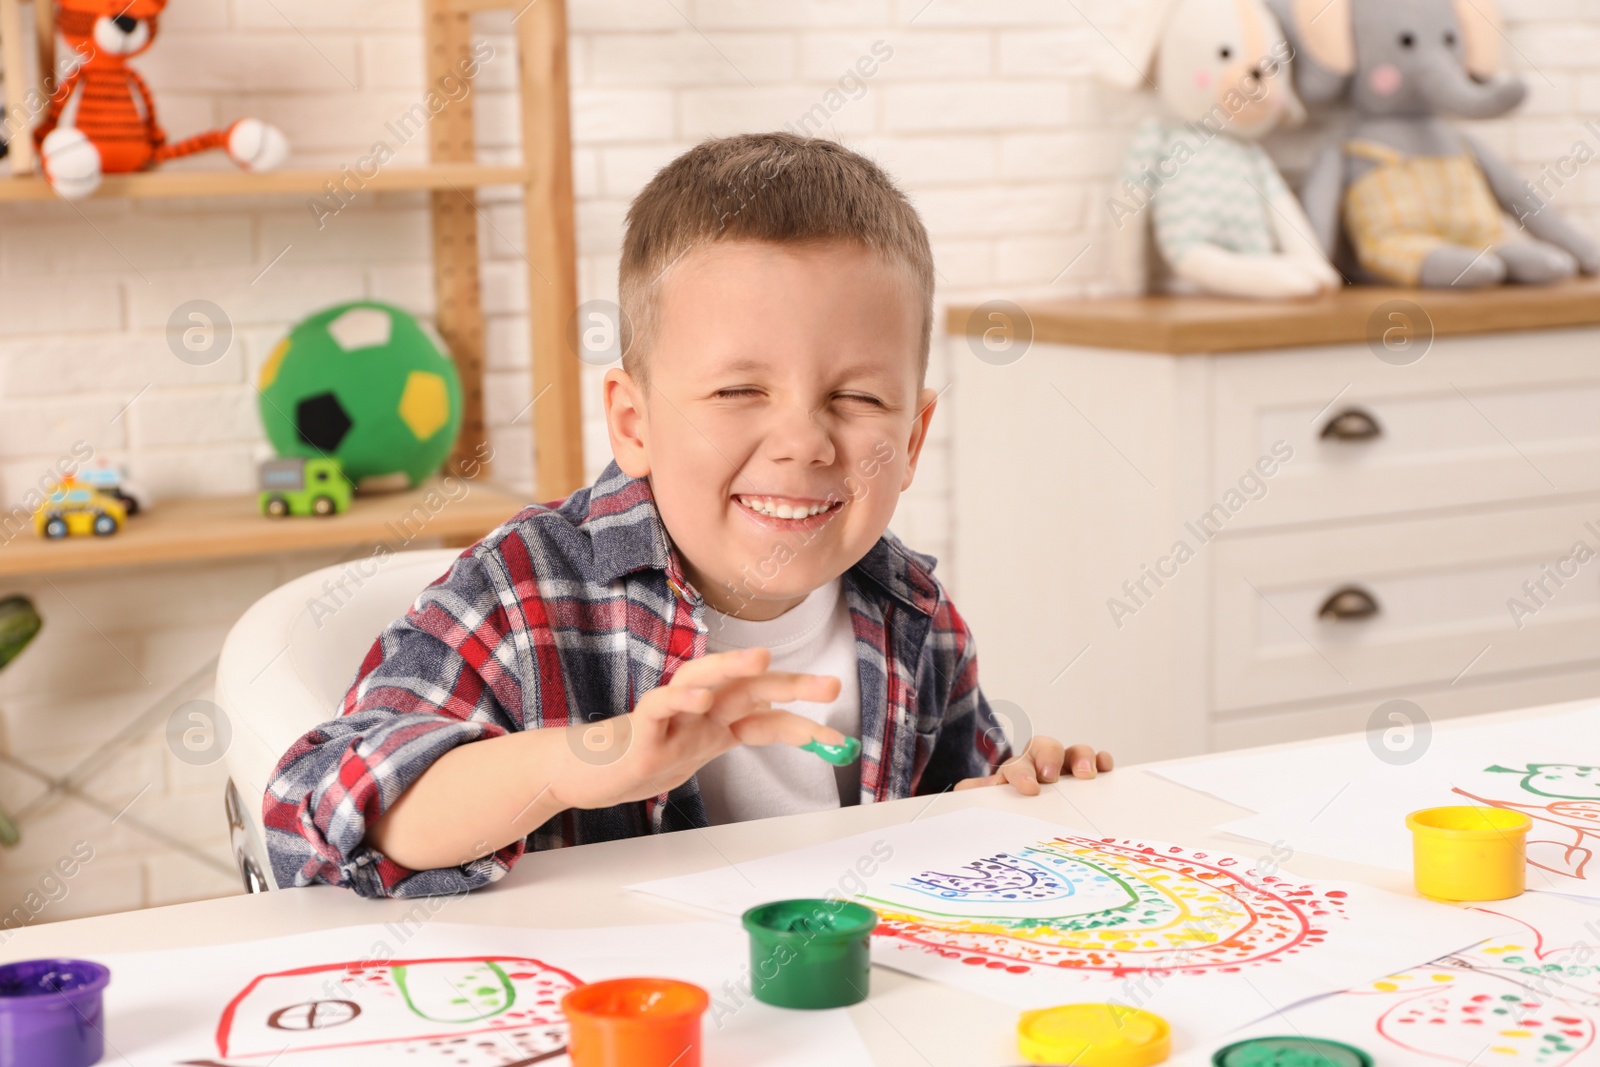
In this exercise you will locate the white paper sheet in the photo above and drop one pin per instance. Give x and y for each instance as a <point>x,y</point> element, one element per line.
<point>1341,799</point>
<point>1033,914</point>
<point>1528,999</point>
<point>436,994</point>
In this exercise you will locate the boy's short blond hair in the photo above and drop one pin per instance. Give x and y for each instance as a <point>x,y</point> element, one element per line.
<point>764,187</point>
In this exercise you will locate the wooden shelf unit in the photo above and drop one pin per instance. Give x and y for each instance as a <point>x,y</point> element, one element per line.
<point>214,528</point>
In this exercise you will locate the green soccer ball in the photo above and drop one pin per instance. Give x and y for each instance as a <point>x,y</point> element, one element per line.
<point>365,384</point>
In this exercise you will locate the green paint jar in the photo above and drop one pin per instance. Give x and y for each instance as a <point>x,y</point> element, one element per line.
<point>1290,1052</point>
<point>810,953</point>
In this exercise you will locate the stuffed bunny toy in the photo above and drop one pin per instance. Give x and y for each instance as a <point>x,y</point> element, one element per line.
<point>1196,179</point>
<point>1422,203</point>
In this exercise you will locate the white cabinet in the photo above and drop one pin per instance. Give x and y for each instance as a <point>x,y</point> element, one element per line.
<point>1168,551</point>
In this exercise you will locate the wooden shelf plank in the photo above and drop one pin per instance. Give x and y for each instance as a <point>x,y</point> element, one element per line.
<point>217,528</point>
<point>174,183</point>
<point>1181,325</point>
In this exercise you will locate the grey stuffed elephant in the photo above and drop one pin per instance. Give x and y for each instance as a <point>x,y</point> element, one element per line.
<point>1421,202</point>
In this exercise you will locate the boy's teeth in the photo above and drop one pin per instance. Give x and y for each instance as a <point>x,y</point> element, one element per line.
<point>764,506</point>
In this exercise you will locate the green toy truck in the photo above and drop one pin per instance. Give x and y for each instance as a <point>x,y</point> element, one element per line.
<point>303,487</point>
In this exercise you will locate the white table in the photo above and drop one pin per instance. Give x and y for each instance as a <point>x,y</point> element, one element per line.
<point>907,1022</point>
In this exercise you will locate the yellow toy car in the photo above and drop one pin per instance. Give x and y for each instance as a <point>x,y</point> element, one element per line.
<point>75,509</point>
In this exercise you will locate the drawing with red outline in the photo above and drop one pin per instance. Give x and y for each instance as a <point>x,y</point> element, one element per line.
<point>469,1011</point>
<point>1500,1002</point>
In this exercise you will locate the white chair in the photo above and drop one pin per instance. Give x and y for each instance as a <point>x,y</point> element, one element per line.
<point>287,664</point>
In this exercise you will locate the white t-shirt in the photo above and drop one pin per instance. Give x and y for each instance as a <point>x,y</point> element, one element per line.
<point>757,782</point>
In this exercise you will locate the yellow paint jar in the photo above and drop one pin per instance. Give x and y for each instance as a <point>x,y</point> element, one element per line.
<point>1094,1035</point>
<point>1469,853</point>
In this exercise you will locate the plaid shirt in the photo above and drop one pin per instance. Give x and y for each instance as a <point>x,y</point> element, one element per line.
<point>568,613</point>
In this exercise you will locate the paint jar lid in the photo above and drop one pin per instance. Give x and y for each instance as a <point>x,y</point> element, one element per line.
<point>1290,1052</point>
<point>1094,1035</point>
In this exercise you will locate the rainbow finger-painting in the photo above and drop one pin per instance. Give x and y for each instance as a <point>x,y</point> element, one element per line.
<point>1032,914</point>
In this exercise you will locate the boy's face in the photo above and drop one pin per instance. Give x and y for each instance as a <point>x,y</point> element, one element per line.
<point>783,418</point>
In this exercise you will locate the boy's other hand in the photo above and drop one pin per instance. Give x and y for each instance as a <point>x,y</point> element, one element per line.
<point>1043,761</point>
<point>711,705</point>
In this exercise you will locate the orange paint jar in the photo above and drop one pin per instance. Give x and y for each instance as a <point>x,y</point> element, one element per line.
<point>635,1022</point>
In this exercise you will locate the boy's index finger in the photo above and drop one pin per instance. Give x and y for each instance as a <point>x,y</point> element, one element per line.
<point>719,667</point>
<point>780,687</point>
<point>741,697</point>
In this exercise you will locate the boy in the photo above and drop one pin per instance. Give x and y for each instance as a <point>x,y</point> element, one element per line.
<point>649,654</point>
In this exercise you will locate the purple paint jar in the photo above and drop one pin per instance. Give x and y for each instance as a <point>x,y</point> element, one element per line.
<point>50,1013</point>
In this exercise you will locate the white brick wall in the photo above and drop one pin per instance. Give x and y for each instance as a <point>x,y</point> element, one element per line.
<point>986,111</point>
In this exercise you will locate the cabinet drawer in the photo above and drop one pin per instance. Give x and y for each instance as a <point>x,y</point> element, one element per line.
<point>1479,419</point>
<point>1444,595</point>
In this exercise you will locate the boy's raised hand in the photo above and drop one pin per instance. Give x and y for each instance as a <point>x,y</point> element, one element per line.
<point>711,705</point>
<point>1043,761</point>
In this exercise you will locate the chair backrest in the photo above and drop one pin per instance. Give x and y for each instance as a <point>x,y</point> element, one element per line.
<point>290,658</point>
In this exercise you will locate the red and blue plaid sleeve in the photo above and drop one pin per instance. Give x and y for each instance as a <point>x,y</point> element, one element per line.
<point>971,741</point>
<point>439,677</point>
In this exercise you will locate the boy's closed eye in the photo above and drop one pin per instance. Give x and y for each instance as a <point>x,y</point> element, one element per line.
<point>736,392</point>
<point>863,398</point>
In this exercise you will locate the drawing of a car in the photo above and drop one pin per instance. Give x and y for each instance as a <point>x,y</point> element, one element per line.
<point>300,486</point>
<point>74,509</point>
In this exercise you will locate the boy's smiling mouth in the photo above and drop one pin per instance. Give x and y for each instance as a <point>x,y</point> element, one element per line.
<point>787,511</point>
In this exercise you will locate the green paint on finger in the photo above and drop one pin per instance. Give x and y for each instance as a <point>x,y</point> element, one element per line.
<point>838,755</point>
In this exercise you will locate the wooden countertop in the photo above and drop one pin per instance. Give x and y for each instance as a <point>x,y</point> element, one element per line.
<point>1181,325</point>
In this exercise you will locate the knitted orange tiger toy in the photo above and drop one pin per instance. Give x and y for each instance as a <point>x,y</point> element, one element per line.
<point>102,118</point>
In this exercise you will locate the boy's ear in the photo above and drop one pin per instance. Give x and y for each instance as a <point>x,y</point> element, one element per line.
<point>927,400</point>
<point>626,422</point>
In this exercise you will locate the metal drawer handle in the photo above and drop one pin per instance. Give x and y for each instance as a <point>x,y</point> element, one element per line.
<point>1352,424</point>
<point>1348,604</point>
